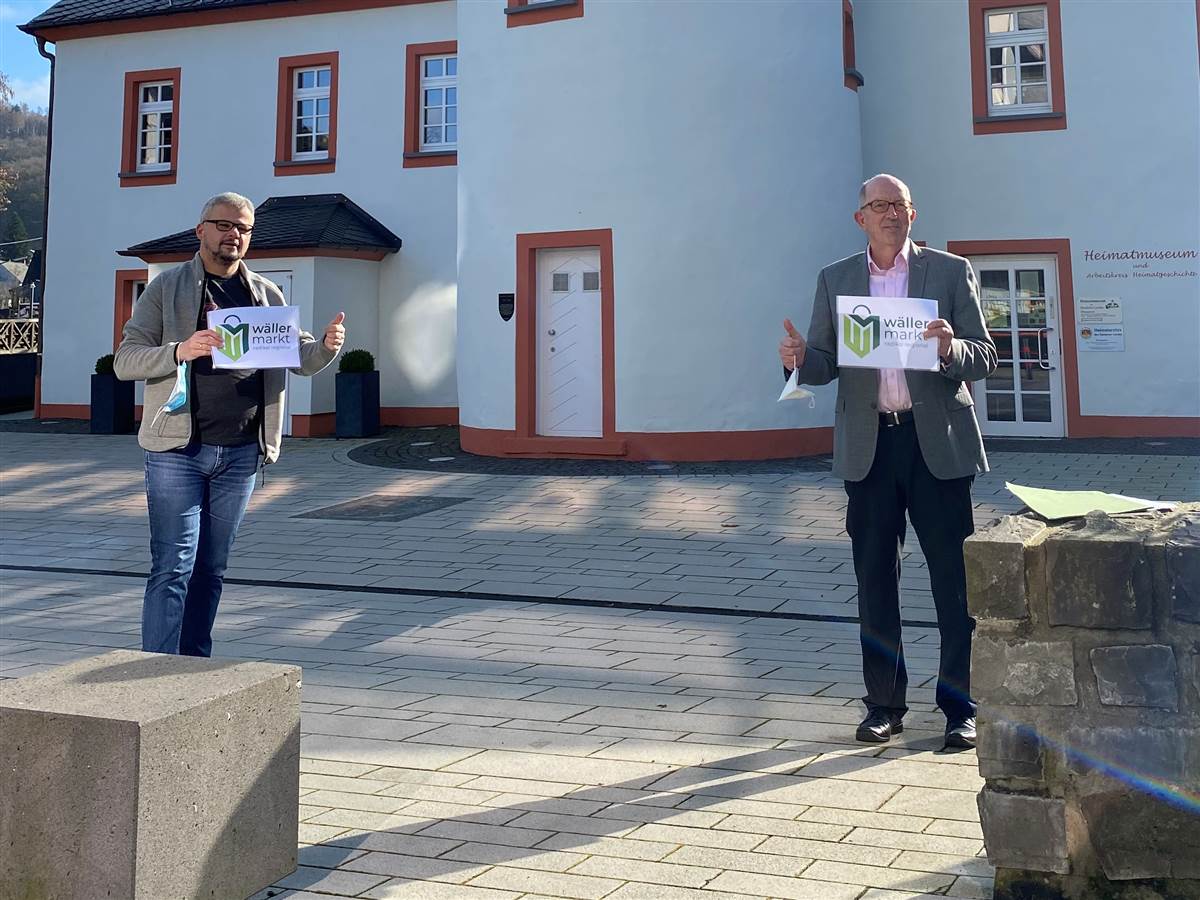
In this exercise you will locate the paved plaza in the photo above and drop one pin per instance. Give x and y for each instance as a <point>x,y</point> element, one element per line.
<point>621,687</point>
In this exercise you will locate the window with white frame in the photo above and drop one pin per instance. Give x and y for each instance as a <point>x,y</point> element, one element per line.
<point>310,119</point>
<point>439,102</point>
<point>156,126</point>
<point>1017,43</point>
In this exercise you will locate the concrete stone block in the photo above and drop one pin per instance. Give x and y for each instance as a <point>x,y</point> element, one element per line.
<point>1024,832</point>
<point>1181,558</point>
<point>1009,749</point>
<point>139,776</point>
<point>1098,575</point>
<point>1029,673</point>
<point>1135,754</point>
<point>996,566</point>
<point>1131,841</point>
<point>1142,675</point>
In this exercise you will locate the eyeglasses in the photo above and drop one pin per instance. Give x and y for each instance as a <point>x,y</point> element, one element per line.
<point>883,206</point>
<point>223,225</point>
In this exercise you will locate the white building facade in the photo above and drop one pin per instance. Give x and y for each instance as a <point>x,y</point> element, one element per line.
<point>600,264</point>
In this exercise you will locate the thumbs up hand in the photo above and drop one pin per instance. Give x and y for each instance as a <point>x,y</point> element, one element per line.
<point>335,333</point>
<point>792,347</point>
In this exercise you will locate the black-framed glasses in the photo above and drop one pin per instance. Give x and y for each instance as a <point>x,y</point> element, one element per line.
<point>883,206</point>
<point>223,225</point>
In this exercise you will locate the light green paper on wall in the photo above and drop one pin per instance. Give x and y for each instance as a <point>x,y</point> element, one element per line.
<point>1072,504</point>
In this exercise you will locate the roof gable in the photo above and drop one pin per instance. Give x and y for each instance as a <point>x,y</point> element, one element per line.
<point>310,222</point>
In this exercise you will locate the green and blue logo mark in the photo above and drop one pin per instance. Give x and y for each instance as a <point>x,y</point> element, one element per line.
<point>235,338</point>
<point>860,334</point>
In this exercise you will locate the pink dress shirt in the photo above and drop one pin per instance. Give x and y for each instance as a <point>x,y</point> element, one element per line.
<point>893,282</point>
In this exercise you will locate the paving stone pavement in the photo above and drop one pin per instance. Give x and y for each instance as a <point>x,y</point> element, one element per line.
<point>511,749</point>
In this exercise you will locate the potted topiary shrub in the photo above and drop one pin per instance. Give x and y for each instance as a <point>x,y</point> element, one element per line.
<point>112,400</point>
<point>357,395</point>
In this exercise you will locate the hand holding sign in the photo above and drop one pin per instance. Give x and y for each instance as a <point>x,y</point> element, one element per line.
<point>335,333</point>
<point>199,344</point>
<point>940,329</point>
<point>792,347</point>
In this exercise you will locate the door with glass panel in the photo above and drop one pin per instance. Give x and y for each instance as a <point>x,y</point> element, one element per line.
<point>1023,397</point>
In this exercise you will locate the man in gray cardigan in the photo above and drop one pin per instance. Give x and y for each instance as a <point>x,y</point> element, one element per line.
<point>904,441</point>
<point>203,429</point>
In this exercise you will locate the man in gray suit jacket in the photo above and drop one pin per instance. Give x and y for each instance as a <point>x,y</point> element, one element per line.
<point>904,441</point>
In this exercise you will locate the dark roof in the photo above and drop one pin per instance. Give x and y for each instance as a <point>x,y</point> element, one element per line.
<point>85,12</point>
<point>325,221</point>
<point>34,272</point>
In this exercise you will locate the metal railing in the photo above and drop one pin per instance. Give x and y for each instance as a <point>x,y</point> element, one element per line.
<point>18,335</point>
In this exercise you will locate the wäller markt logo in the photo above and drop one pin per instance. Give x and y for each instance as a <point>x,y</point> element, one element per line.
<point>860,333</point>
<point>236,338</point>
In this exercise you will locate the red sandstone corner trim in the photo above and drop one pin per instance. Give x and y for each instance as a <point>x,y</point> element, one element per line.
<point>316,425</point>
<point>123,300</point>
<point>325,424</point>
<point>418,416</point>
<point>163,22</point>
<point>982,124</point>
<point>535,16</point>
<point>129,176</point>
<point>66,411</point>
<point>413,158</point>
<point>695,446</point>
<point>526,328</point>
<point>284,165</point>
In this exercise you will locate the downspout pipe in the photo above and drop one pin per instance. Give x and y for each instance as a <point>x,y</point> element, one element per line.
<point>37,387</point>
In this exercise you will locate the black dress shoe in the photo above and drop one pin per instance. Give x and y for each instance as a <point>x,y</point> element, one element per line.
<point>960,733</point>
<point>879,726</point>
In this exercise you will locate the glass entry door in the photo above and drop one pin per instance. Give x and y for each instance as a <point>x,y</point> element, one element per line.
<point>1023,397</point>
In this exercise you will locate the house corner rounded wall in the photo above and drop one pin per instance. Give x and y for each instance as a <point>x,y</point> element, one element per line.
<point>720,152</point>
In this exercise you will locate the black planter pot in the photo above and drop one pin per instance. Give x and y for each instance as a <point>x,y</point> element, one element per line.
<point>357,404</point>
<point>112,405</point>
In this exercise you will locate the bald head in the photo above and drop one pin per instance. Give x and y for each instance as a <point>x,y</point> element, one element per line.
<point>888,182</point>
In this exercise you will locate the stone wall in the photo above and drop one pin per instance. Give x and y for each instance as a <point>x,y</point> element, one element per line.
<point>1087,671</point>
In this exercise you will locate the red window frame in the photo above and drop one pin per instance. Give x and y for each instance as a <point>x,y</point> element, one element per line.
<point>123,299</point>
<point>284,164</point>
<point>129,176</point>
<point>852,78</point>
<point>1056,119</point>
<point>538,12</point>
<point>414,157</point>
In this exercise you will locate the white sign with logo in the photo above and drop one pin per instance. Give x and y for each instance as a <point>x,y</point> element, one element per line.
<point>1102,338</point>
<point>256,337</point>
<point>1100,311</point>
<point>885,333</point>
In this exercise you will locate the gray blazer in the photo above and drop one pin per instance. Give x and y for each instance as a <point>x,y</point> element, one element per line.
<point>166,315</point>
<point>942,407</point>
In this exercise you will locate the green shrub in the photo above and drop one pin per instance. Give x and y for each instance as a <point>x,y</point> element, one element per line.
<point>357,361</point>
<point>104,365</point>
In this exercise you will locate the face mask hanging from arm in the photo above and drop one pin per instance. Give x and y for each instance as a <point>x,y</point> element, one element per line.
<point>178,396</point>
<point>793,391</point>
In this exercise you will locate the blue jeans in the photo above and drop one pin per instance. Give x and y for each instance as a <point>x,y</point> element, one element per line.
<point>196,497</point>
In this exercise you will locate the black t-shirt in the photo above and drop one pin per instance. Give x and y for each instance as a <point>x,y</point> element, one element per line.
<point>226,403</point>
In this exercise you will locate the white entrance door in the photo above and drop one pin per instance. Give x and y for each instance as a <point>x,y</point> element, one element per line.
<point>569,386</point>
<point>1024,396</point>
<point>283,281</point>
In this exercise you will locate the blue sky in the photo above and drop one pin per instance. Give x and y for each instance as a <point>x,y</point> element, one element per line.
<point>27,71</point>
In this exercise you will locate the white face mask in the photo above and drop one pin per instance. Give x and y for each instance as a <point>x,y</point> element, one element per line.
<point>178,396</point>
<point>793,391</point>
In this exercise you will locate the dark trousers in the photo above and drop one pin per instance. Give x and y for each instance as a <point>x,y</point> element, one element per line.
<point>940,512</point>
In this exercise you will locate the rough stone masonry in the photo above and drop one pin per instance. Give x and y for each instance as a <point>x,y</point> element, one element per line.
<point>1087,671</point>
